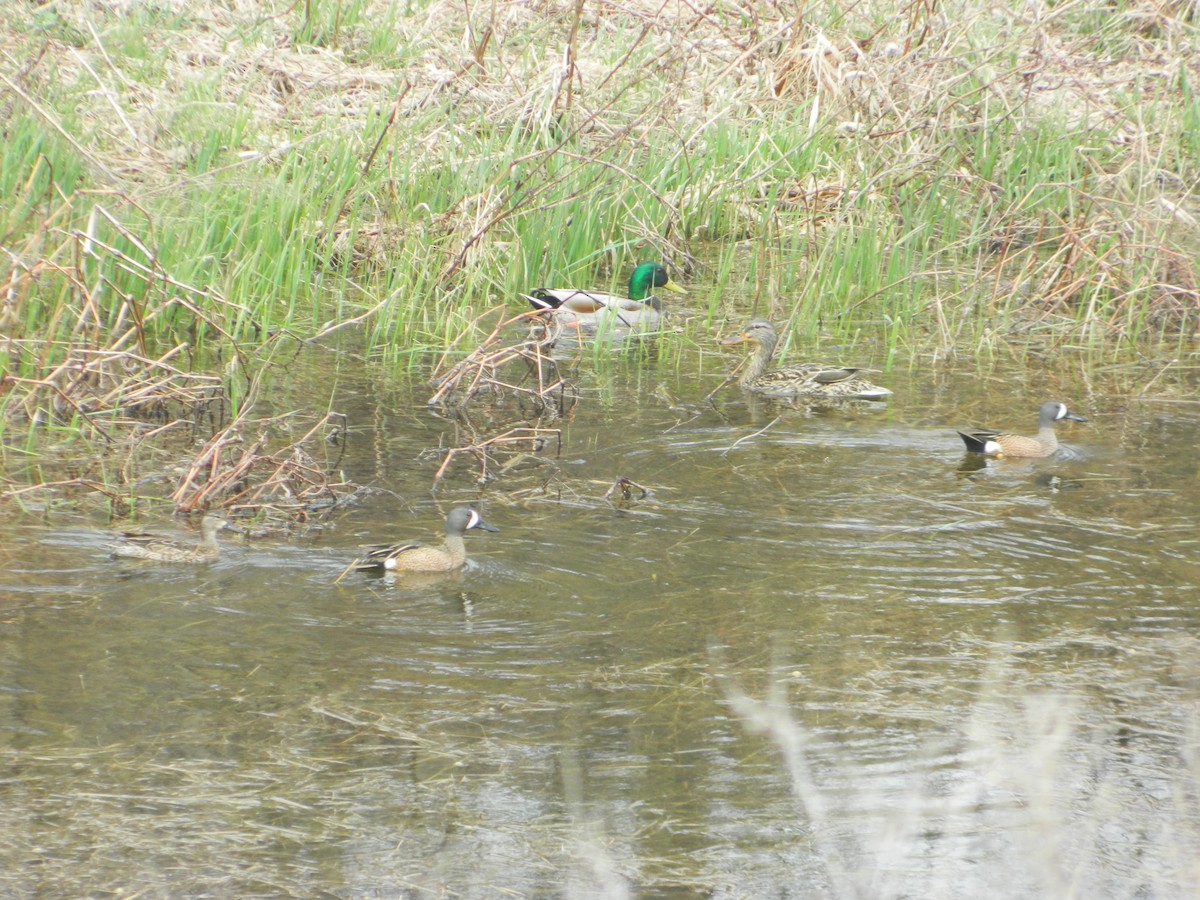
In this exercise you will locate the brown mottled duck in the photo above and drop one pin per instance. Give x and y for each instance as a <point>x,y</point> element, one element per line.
<point>797,379</point>
<point>159,549</point>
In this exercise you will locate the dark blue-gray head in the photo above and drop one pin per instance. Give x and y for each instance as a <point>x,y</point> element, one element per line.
<point>462,519</point>
<point>1052,411</point>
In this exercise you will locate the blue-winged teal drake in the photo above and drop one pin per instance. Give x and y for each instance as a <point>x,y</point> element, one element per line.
<point>797,379</point>
<point>451,555</point>
<point>999,443</point>
<point>585,308</point>
<point>158,549</point>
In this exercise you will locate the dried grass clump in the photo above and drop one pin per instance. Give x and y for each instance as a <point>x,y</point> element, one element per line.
<point>520,443</point>
<point>499,368</point>
<point>88,362</point>
<point>248,479</point>
<point>502,370</point>
<point>92,352</point>
<point>1104,272</point>
<point>107,389</point>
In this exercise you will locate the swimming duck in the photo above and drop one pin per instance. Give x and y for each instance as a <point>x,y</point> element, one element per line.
<point>592,307</point>
<point>452,554</point>
<point>158,549</point>
<point>797,379</point>
<point>998,443</point>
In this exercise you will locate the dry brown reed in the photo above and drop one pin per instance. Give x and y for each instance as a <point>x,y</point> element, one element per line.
<point>288,483</point>
<point>92,357</point>
<point>536,378</point>
<point>521,440</point>
<point>96,371</point>
<point>501,368</point>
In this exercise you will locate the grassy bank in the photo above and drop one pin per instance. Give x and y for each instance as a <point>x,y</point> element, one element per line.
<point>943,181</point>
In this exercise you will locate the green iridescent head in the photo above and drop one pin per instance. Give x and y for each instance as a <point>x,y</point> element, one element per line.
<point>647,277</point>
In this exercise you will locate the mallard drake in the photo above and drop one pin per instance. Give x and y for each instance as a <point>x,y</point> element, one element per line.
<point>452,554</point>
<point>797,379</point>
<point>148,546</point>
<point>1045,443</point>
<point>593,307</point>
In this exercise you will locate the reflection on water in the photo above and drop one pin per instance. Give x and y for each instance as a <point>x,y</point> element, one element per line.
<point>827,655</point>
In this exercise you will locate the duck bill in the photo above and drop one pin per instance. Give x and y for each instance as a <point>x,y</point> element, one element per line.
<point>734,341</point>
<point>1074,417</point>
<point>673,287</point>
<point>485,526</point>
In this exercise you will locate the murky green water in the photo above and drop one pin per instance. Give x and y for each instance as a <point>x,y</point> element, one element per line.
<point>826,657</point>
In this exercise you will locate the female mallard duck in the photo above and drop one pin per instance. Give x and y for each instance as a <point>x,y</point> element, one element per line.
<point>797,379</point>
<point>593,307</point>
<point>451,555</point>
<point>157,549</point>
<point>998,443</point>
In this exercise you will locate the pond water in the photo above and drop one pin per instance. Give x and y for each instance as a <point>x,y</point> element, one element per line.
<point>828,655</point>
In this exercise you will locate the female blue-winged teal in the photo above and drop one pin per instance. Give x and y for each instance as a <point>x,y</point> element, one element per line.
<point>594,307</point>
<point>797,379</point>
<point>157,549</point>
<point>998,443</point>
<point>451,555</point>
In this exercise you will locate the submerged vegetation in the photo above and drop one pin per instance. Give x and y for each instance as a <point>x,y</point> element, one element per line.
<point>190,190</point>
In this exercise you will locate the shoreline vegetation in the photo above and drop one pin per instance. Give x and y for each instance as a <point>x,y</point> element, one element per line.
<point>196,190</point>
